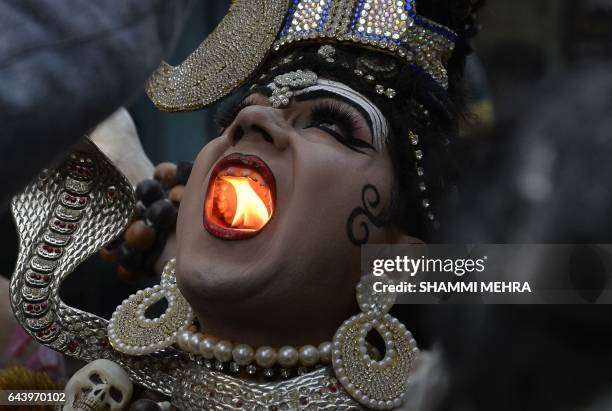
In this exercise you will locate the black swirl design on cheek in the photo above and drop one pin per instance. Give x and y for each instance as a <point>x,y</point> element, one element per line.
<point>370,199</point>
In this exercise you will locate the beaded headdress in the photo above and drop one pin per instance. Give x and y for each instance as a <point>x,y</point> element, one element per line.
<point>254,28</point>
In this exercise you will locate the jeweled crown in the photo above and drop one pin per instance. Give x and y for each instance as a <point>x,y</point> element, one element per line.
<point>390,25</point>
<point>253,28</point>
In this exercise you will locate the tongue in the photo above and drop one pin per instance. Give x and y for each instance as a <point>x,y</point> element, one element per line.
<point>241,203</point>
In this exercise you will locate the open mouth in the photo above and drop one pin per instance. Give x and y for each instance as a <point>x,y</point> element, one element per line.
<point>241,197</point>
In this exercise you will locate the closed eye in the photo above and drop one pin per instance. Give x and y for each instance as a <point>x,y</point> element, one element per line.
<point>340,122</point>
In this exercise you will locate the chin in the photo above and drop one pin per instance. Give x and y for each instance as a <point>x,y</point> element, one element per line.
<point>226,270</point>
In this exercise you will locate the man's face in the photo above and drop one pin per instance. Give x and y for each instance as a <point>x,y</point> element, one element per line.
<point>309,164</point>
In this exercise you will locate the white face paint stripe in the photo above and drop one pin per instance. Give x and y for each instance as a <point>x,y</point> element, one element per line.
<point>380,125</point>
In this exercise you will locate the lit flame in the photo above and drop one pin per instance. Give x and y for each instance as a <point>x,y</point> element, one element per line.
<point>251,212</point>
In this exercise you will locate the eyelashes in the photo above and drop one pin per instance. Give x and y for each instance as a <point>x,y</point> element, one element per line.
<point>331,117</point>
<point>339,122</point>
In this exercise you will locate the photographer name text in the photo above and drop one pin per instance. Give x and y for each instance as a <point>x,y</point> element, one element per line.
<point>497,287</point>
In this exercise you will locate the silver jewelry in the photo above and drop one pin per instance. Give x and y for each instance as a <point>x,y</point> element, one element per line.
<point>84,203</point>
<point>284,85</point>
<point>327,52</point>
<point>415,141</point>
<point>69,218</point>
<point>373,383</point>
<point>201,388</point>
<point>131,332</point>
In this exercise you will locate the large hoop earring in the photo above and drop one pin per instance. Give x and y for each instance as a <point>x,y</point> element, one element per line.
<point>378,384</point>
<point>131,332</point>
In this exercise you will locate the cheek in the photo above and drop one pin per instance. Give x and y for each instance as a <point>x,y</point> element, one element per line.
<point>332,184</point>
<point>329,187</point>
<point>191,210</point>
<point>346,175</point>
<point>209,154</point>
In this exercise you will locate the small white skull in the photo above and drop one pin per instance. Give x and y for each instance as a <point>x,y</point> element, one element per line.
<point>100,385</point>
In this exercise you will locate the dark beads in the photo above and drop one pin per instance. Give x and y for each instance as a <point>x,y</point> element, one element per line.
<point>183,171</point>
<point>130,277</point>
<point>150,259</point>
<point>165,173</point>
<point>139,236</point>
<point>116,242</point>
<point>144,405</point>
<point>138,212</point>
<point>108,255</point>
<point>152,395</point>
<point>129,259</point>
<point>149,191</point>
<point>176,195</point>
<point>152,220</point>
<point>161,214</point>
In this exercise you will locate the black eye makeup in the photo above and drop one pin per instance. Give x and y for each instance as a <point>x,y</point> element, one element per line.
<point>340,122</point>
<point>337,118</point>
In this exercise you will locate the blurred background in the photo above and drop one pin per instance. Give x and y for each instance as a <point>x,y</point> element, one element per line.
<point>180,136</point>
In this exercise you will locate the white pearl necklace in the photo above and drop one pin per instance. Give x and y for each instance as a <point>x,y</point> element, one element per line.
<point>244,355</point>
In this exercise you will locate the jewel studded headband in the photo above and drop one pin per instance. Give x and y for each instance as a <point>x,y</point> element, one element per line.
<point>299,82</point>
<point>254,28</point>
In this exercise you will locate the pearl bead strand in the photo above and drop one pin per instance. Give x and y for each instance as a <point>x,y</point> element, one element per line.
<point>244,355</point>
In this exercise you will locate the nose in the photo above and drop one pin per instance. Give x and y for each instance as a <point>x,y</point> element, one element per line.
<point>260,123</point>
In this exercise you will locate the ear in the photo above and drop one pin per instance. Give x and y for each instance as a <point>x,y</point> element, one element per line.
<point>394,235</point>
